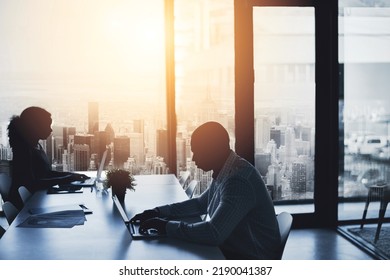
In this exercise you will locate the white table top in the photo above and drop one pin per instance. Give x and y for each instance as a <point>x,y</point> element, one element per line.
<point>103,235</point>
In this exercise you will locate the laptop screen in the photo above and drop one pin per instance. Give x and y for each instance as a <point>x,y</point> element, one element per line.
<point>122,212</point>
<point>101,166</point>
<point>134,229</point>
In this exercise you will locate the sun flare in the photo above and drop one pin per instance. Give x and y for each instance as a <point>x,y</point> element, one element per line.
<point>136,32</point>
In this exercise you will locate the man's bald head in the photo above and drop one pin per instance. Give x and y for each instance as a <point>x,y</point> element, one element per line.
<point>210,146</point>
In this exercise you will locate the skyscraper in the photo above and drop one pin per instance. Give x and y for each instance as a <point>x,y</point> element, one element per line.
<point>298,178</point>
<point>263,128</point>
<point>137,147</point>
<point>84,139</point>
<point>262,161</point>
<point>121,150</point>
<point>181,153</point>
<point>66,132</point>
<point>81,157</point>
<point>276,135</point>
<point>110,133</point>
<point>162,144</point>
<point>139,126</point>
<point>100,145</point>
<point>93,117</point>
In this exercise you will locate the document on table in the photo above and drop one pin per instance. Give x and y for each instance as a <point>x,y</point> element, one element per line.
<point>66,216</point>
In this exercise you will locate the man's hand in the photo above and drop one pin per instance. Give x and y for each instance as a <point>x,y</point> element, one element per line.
<point>158,224</point>
<point>146,215</point>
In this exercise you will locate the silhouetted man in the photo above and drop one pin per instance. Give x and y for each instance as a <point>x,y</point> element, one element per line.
<point>242,217</point>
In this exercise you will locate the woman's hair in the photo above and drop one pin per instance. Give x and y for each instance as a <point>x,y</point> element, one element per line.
<point>21,128</point>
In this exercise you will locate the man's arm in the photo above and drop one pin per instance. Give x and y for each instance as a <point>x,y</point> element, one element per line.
<point>188,208</point>
<point>236,200</point>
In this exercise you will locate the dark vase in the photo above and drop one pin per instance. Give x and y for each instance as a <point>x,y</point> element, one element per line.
<point>120,193</point>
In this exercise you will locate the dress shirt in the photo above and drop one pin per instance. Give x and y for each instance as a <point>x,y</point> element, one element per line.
<point>242,216</point>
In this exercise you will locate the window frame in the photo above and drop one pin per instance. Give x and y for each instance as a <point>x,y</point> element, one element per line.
<point>326,104</point>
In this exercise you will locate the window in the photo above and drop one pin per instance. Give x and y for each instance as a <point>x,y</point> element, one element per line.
<point>99,68</point>
<point>284,94</point>
<point>364,41</point>
<point>204,63</point>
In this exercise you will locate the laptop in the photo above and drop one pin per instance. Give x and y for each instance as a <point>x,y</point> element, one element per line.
<point>134,228</point>
<point>92,181</point>
<point>77,186</point>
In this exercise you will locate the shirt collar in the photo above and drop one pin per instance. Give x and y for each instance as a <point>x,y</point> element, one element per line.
<point>227,167</point>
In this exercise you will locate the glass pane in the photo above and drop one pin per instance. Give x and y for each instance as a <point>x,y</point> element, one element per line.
<point>99,68</point>
<point>204,62</point>
<point>285,103</point>
<point>364,57</point>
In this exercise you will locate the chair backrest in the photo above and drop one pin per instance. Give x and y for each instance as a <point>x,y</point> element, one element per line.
<point>284,221</point>
<point>190,190</point>
<point>24,193</point>
<point>2,231</point>
<point>184,178</point>
<point>10,211</point>
<point>5,185</point>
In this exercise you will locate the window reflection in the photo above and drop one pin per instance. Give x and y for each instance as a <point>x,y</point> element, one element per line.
<point>364,41</point>
<point>285,101</point>
<point>204,62</point>
<point>66,55</point>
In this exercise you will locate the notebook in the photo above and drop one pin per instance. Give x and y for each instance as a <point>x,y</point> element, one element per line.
<point>134,228</point>
<point>91,181</point>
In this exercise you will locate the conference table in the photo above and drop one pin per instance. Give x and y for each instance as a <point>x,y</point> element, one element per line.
<point>104,234</point>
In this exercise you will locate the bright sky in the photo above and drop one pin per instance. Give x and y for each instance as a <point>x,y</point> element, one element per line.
<point>113,41</point>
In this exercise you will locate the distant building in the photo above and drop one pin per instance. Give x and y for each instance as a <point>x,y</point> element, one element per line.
<point>181,153</point>
<point>137,147</point>
<point>81,157</point>
<point>262,161</point>
<point>82,139</point>
<point>276,135</point>
<point>162,144</point>
<point>298,178</point>
<point>110,133</point>
<point>262,128</point>
<point>121,151</point>
<point>100,145</point>
<point>93,117</point>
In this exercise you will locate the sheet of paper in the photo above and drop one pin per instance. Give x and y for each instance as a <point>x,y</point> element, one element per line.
<point>56,209</point>
<point>53,221</point>
<point>63,216</point>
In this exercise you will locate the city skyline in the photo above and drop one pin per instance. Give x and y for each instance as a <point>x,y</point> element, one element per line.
<point>125,73</point>
<point>145,154</point>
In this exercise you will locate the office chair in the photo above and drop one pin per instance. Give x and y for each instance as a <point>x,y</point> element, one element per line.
<point>10,211</point>
<point>24,193</point>
<point>183,180</point>
<point>2,231</point>
<point>370,179</point>
<point>384,200</point>
<point>190,190</point>
<point>5,185</point>
<point>284,221</point>
<point>378,189</point>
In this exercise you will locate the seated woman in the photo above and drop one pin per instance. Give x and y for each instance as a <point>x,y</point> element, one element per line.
<point>30,165</point>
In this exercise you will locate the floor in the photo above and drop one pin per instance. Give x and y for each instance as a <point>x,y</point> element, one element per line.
<point>325,244</point>
<point>321,244</point>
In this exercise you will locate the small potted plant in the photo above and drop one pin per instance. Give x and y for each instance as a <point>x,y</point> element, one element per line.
<point>119,180</point>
